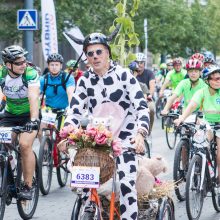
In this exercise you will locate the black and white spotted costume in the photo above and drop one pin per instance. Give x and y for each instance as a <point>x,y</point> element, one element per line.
<point>118,94</point>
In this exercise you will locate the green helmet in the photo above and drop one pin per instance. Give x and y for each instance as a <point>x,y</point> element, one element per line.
<point>71,63</point>
<point>163,66</point>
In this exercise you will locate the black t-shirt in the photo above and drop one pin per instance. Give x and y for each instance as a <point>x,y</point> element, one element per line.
<point>146,77</point>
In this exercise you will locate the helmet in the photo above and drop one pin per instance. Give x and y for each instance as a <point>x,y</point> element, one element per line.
<point>197,56</point>
<point>163,66</point>
<point>140,57</point>
<point>209,57</point>
<point>71,63</point>
<point>169,62</point>
<point>133,66</point>
<point>177,61</point>
<point>210,70</point>
<point>194,64</point>
<point>55,57</point>
<point>95,38</point>
<point>12,53</point>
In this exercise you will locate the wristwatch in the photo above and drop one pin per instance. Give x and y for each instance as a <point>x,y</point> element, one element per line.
<point>142,132</point>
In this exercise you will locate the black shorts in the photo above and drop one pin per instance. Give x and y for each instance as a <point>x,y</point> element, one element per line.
<point>11,120</point>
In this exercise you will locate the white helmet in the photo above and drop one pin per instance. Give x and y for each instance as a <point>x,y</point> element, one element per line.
<point>140,57</point>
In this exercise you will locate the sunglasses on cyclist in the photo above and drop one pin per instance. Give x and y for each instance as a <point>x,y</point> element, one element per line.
<point>20,63</point>
<point>91,53</point>
<point>215,79</point>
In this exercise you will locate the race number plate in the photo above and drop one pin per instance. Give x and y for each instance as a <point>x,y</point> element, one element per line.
<point>49,117</point>
<point>5,135</point>
<point>85,177</point>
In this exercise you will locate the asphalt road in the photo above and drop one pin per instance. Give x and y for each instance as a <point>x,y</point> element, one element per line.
<point>58,204</point>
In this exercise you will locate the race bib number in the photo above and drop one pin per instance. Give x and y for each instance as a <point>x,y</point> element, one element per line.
<point>49,117</point>
<point>5,135</point>
<point>85,177</point>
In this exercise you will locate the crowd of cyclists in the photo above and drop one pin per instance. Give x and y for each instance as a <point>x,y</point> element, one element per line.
<point>105,89</point>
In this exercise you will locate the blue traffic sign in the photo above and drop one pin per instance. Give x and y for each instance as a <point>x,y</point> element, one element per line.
<point>27,19</point>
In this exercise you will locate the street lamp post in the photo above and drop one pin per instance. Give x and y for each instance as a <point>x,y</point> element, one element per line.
<point>146,39</point>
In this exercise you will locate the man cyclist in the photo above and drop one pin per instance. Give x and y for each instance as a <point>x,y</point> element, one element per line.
<point>110,90</point>
<point>57,86</point>
<point>208,99</point>
<point>20,85</point>
<point>169,64</point>
<point>174,76</point>
<point>73,69</point>
<point>187,87</point>
<point>147,77</point>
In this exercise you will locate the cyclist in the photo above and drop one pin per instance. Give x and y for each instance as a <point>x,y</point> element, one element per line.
<point>20,85</point>
<point>187,87</point>
<point>106,90</point>
<point>147,77</point>
<point>174,76</point>
<point>169,64</point>
<point>73,69</point>
<point>56,85</point>
<point>208,58</point>
<point>161,74</point>
<point>208,99</point>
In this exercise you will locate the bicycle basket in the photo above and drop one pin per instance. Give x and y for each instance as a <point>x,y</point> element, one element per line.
<point>96,158</point>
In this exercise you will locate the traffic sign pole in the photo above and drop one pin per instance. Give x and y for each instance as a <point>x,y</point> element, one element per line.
<point>28,34</point>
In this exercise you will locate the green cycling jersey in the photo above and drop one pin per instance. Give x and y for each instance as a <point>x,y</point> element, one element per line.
<point>175,77</point>
<point>16,89</point>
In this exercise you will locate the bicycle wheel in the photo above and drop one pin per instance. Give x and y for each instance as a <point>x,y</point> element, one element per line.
<point>171,134</point>
<point>214,191</point>
<point>180,167</point>
<point>76,209</point>
<point>194,196</point>
<point>62,171</point>
<point>147,148</point>
<point>3,188</point>
<point>26,208</point>
<point>158,108</point>
<point>45,165</point>
<point>166,210</point>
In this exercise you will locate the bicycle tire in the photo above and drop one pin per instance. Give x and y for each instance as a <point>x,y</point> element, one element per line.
<point>76,208</point>
<point>45,157</point>
<point>178,171</point>
<point>194,169</point>
<point>166,208</point>
<point>158,108</point>
<point>3,187</point>
<point>167,131</point>
<point>35,185</point>
<point>62,171</point>
<point>147,149</point>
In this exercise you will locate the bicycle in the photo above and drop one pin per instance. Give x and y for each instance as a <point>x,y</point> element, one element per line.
<point>11,176</point>
<point>202,176</point>
<point>49,155</point>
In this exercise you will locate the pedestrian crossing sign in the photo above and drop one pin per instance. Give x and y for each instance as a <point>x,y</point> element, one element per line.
<point>27,19</point>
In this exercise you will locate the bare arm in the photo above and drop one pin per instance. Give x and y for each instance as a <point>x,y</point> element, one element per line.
<point>164,86</point>
<point>70,90</point>
<point>33,97</point>
<point>169,103</point>
<point>152,86</point>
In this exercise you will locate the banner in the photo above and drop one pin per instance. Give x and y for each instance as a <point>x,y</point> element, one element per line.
<point>49,28</point>
<point>78,34</point>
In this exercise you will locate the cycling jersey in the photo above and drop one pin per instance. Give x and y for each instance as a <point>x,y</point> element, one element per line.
<point>210,104</point>
<point>185,88</point>
<point>117,94</point>
<point>16,89</point>
<point>175,77</point>
<point>56,95</point>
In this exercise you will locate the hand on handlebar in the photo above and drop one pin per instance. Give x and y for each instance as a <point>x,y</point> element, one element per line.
<point>164,112</point>
<point>32,125</point>
<point>178,121</point>
<point>138,140</point>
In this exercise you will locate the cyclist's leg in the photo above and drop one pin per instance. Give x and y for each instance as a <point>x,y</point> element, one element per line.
<point>151,106</point>
<point>127,164</point>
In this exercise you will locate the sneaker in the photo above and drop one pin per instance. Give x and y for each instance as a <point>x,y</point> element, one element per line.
<point>25,193</point>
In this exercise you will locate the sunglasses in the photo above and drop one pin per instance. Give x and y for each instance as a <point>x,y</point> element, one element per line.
<point>20,63</point>
<point>215,79</point>
<point>140,62</point>
<point>91,53</point>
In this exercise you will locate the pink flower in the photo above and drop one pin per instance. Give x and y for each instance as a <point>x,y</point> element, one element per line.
<point>157,181</point>
<point>117,148</point>
<point>91,131</point>
<point>101,139</point>
<point>64,132</point>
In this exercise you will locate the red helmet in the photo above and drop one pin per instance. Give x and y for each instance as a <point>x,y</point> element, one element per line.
<point>197,56</point>
<point>177,61</point>
<point>194,64</point>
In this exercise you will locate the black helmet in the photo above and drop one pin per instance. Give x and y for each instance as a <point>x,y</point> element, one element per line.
<point>95,38</point>
<point>12,53</point>
<point>55,57</point>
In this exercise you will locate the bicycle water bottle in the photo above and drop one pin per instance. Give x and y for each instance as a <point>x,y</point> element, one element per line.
<point>211,171</point>
<point>12,162</point>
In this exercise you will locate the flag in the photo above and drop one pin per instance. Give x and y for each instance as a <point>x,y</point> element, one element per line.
<point>49,28</point>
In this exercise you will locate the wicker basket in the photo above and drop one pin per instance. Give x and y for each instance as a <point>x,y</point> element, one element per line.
<point>96,158</point>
